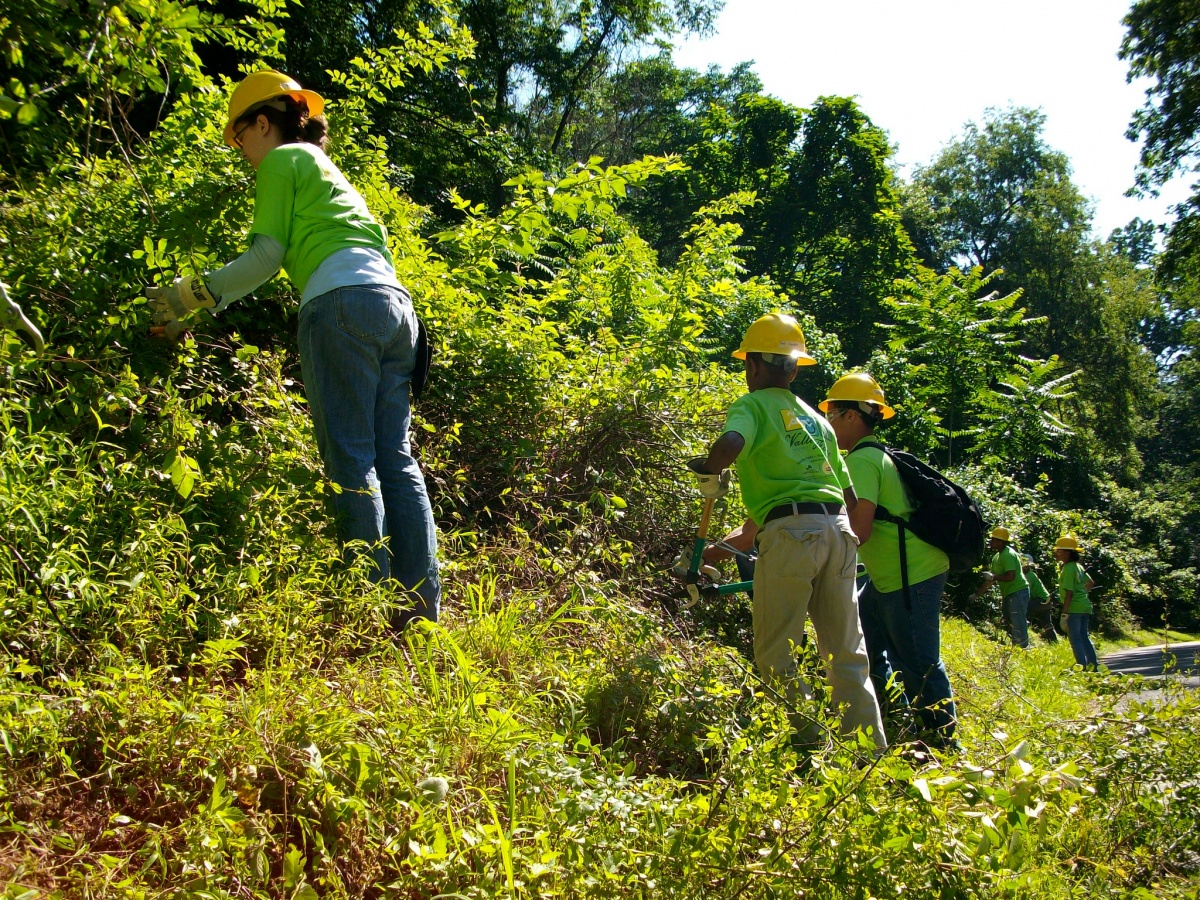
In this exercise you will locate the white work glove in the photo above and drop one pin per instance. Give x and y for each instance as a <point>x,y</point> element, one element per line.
<point>179,300</point>
<point>713,487</point>
<point>172,331</point>
<point>1062,623</point>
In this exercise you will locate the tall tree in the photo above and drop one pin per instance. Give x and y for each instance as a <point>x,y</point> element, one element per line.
<point>826,226</point>
<point>999,197</point>
<point>1162,43</point>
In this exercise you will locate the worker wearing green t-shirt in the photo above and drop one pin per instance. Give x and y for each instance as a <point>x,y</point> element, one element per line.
<point>796,489</point>
<point>1014,589</point>
<point>1073,587</point>
<point>358,333</point>
<point>1041,608</point>
<point>903,633</point>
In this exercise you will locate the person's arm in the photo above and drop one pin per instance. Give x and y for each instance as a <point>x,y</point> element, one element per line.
<point>1090,584</point>
<point>988,580</point>
<point>740,539</point>
<point>862,519</point>
<point>1007,576</point>
<point>253,268</point>
<point>723,452</point>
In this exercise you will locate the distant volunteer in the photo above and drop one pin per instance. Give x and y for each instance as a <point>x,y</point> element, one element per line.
<point>357,329</point>
<point>902,634</point>
<point>1007,573</point>
<point>1073,587</point>
<point>1041,607</point>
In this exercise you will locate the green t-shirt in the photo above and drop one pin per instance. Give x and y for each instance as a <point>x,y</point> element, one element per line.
<point>1006,560</point>
<point>1037,590</point>
<point>305,203</point>
<point>876,479</point>
<point>1072,578</point>
<point>790,454</point>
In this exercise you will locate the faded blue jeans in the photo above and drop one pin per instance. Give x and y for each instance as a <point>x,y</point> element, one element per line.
<point>1081,643</point>
<point>1016,611</point>
<point>357,354</point>
<point>912,644</point>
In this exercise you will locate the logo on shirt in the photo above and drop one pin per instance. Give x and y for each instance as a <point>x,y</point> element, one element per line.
<point>792,422</point>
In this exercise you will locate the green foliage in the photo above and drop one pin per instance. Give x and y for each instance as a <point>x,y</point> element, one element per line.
<point>826,226</point>
<point>964,375</point>
<point>999,197</point>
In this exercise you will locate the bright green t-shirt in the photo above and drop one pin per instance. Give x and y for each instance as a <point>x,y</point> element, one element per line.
<point>305,203</point>
<point>790,454</point>
<point>876,479</point>
<point>1072,578</point>
<point>1006,560</point>
<point>1037,590</point>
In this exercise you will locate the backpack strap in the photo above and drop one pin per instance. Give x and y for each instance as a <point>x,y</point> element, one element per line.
<point>884,515</point>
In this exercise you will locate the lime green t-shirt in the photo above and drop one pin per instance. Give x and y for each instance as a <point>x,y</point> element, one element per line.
<point>1037,590</point>
<point>876,479</point>
<point>305,203</point>
<point>790,454</point>
<point>1006,560</point>
<point>1072,578</point>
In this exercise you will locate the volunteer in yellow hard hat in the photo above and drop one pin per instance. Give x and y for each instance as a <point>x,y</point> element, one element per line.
<point>1067,542</point>
<point>1007,572</point>
<point>901,607</point>
<point>263,87</point>
<point>1073,587</point>
<point>775,335</point>
<point>1041,606</point>
<point>796,489</point>
<point>858,387</point>
<point>358,333</point>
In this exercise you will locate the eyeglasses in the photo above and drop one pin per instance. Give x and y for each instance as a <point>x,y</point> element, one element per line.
<point>239,132</point>
<point>831,414</point>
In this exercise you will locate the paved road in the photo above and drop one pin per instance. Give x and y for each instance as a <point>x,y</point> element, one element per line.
<point>1150,660</point>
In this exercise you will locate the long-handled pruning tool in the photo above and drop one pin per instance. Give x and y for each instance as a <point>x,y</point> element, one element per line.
<point>11,316</point>
<point>702,580</point>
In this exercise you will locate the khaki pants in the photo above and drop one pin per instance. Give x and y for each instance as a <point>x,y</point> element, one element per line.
<point>805,567</point>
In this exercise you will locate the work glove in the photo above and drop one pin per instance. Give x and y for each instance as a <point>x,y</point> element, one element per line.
<point>172,331</point>
<point>713,487</point>
<point>679,568</point>
<point>179,300</point>
<point>1062,623</point>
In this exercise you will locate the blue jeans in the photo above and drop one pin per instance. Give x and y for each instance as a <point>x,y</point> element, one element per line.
<point>912,643</point>
<point>1016,611</point>
<point>1081,644</point>
<point>357,354</point>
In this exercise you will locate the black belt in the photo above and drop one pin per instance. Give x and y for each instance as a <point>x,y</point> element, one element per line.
<point>803,509</point>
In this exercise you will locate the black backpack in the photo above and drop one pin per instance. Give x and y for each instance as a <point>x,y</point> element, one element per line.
<point>943,515</point>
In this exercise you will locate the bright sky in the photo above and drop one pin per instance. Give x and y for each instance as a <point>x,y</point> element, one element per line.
<point>921,69</point>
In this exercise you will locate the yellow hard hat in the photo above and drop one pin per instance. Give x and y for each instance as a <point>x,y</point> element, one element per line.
<point>1067,542</point>
<point>859,387</point>
<point>1000,533</point>
<point>261,87</point>
<point>776,333</point>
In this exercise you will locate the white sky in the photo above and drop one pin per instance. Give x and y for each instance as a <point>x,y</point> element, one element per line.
<point>921,69</point>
